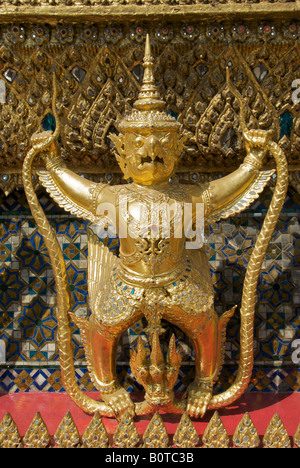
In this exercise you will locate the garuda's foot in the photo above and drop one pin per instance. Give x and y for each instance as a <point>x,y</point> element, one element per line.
<point>199,396</point>
<point>120,402</point>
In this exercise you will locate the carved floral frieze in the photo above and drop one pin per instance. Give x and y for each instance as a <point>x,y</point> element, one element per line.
<point>98,70</point>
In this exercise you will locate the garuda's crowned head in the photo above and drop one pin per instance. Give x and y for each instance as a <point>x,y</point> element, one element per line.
<point>149,143</point>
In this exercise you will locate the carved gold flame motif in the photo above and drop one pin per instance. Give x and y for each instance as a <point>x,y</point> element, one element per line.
<point>98,435</point>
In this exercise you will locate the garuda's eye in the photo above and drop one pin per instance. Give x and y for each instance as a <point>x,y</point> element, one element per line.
<point>166,142</point>
<point>138,141</point>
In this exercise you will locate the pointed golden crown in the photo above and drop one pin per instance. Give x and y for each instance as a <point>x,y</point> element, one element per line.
<point>149,109</point>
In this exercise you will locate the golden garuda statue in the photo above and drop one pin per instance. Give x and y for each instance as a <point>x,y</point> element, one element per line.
<point>162,270</point>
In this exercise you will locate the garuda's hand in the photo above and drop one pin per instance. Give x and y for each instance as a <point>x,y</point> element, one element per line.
<point>257,145</point>
<point>45,143</point>
<point>42,140</point>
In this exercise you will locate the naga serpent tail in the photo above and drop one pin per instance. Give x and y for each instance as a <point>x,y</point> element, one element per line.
<point>247,311</point>
<point>250,284</point>
<point>252,275</point>
<point>62,286</point>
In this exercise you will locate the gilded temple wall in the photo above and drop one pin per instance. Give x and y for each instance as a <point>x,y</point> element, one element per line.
<point>98,69</point>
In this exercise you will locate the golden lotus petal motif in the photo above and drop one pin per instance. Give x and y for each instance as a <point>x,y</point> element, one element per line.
<point>246,435</point>
<point>297,436</point>
<point>156,435</point>
<point>215,434</point>
<point>276,435</point>
<point>95,435</point>
<point>67,435</point>
<point>37,435</point>
<point>186,435</point>
<point>126,435</point>
<point>9,434</point>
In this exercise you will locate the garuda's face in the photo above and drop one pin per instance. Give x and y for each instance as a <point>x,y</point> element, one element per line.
<point>150,155</point>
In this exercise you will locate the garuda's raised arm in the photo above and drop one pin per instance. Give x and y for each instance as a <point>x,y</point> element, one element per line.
<point>235,192</point>
<point>72,192</point>
<point>75,194</point>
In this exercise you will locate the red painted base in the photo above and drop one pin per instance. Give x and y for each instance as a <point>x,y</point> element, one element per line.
<point>53,407</point>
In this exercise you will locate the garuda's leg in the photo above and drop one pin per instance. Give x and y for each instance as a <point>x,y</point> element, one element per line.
<point>104,340</point>
<point>205,346</point>
<point>112,315</point>
<point>202,329</point>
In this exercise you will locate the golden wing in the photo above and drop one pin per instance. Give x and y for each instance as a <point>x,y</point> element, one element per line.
<point>62,199</point>
<point>101,262</point>
<point>244,199</point>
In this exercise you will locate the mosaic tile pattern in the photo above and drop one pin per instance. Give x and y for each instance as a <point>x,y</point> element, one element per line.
<point>28,325</point>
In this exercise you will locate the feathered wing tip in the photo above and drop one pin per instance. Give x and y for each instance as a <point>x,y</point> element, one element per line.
<point>244,200</point>
<point>101,262</point>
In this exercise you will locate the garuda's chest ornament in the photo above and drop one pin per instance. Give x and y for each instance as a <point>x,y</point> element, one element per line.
<point>162,270</point>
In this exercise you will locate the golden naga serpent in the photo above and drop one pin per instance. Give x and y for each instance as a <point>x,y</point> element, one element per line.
<point>42,142</point>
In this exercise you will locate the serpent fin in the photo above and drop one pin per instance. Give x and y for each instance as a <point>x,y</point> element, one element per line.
<point>223,321</point>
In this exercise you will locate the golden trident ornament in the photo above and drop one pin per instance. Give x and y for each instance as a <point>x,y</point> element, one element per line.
<point>155,276</point>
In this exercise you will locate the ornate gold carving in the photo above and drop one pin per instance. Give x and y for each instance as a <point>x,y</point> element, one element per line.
<point>297,436</point>
<point>62,199</point>
<point>177,285</point>
<point>102,74</point>
<point>156,435</point>
<point>67,435</point>
<point>186,435</point>
<point>145,10</point>
<point>247,198</point>
<point>9,433</point>
<point>276,435</point>
<point>157,376</point>
<point>215,435</point>
<point>95,435</point>
<point>245,435</point>
<point>126,435</point>
<point>37,435</point>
